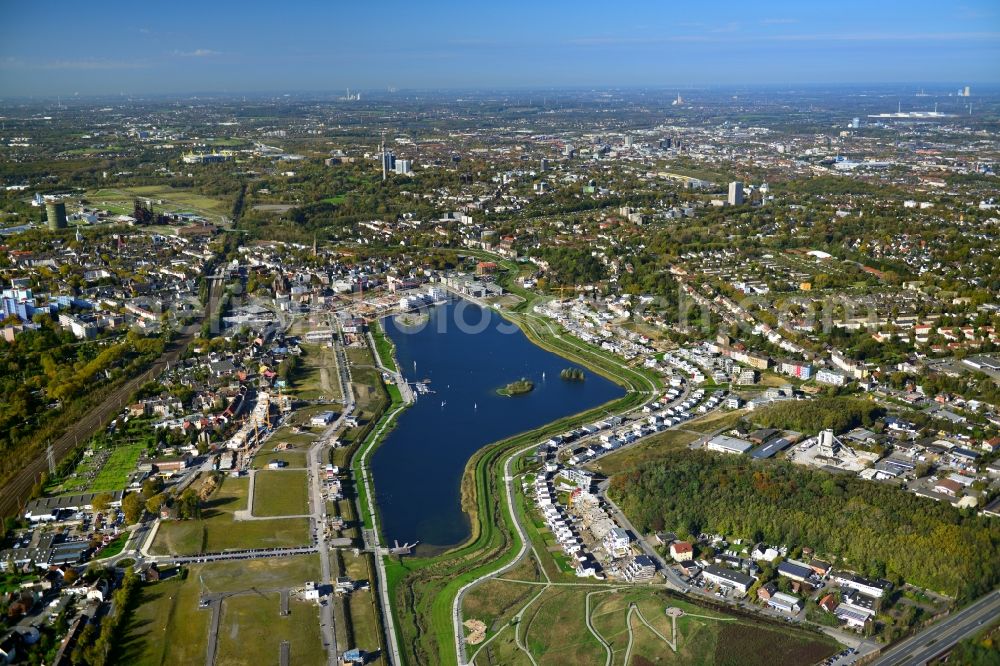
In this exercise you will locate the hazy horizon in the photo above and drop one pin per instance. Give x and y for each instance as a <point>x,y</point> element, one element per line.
<point>62,48</point>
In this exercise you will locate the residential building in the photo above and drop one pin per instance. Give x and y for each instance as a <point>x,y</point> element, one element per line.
<point>681,551</point>
<point>616,542</point>
<point>795,570</point>
<point>639,568</point>
<point>831,377</point>
<point>766,591</point>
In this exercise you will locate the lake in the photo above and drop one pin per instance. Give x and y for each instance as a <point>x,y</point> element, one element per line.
<point>417,470</point>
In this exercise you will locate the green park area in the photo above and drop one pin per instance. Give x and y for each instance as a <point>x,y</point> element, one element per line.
<point>383,345</point>
<point>280,493</point>
<point>588,622</point>
<point>217,530</point>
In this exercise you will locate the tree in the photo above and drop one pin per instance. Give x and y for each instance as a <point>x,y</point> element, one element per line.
<point>154,503</point>
<point>189,505</point>
<point>102,502</point>
<point>151,486</point>
<point>132,506</point>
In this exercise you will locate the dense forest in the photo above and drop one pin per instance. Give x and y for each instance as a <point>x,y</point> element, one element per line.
<point>872,528</point>
<point>572,266</point>
<point>838,414</point>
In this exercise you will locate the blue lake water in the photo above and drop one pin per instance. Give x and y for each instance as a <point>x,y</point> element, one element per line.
<point>417,470</point>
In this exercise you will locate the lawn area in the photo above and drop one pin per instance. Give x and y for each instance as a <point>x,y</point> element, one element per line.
<point>114,547</point>
<point>281,493</point>
<point>650,448</point>
<point>167,626</point>
<point>555,630</point>
<point>317,378</point>
<point>251,624</point>
<point>383,346</point>
<point>494,602</point>
<point>268,573</point>
<point>714,421</point>
<point>115,472</point>
<point>294,458</point>
<point>217,530</point>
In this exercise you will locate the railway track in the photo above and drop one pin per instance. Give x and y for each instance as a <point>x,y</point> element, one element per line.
<point>14,494</point>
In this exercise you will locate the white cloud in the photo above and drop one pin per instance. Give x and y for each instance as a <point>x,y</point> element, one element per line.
<point>197,53</point>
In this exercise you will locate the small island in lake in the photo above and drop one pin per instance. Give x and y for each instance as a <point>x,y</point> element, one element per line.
<point>520,387</point>
<point>572,374</point>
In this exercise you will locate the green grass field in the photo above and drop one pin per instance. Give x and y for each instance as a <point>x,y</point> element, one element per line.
<point>115,472</point>
<point>383,345</point>
<point>167,627</point>
<point>317,379</point>
<point>494,602</point>
<point>217,530</point>
<point>294,458</point>
<point>648,449</point>
<point>251,624</point>
<point>280,493</point>
<point>554,629</point>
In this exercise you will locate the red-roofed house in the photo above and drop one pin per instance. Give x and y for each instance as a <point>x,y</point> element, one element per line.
<point>681,551</point>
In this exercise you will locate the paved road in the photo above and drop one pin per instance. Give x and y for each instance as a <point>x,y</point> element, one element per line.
<point>456,607</point>
<point>213,630</point>
<point>939,637</point>
<point>317,462</point>
<point>509,480</point>
<point>319,527</point>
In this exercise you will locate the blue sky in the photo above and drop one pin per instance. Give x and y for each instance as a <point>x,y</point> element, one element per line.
<point>55,47</point>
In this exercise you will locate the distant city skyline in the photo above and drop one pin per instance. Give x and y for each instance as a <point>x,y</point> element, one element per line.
<point>65,48</point>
